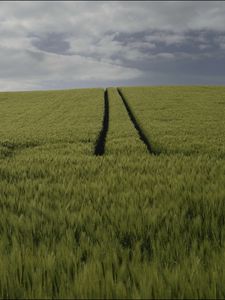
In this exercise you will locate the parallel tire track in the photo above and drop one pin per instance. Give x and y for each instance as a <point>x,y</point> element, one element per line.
<point>100,143</point>
<point>135,123</point>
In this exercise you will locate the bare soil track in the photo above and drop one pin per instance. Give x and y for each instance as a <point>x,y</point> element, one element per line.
<point>135,123</point>
<point>100,143</point>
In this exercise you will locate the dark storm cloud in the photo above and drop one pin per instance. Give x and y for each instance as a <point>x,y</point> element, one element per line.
<point>52,42</point>
<point>168,41</point>
<point>70,44</point>
<point>192,52</point>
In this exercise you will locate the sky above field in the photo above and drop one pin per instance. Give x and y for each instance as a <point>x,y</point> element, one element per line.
<point>55,45</point>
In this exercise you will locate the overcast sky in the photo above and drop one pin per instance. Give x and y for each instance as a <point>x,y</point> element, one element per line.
<point>51,45</point>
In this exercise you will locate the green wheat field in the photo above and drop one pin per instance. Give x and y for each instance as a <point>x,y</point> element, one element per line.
<point>132,222</point>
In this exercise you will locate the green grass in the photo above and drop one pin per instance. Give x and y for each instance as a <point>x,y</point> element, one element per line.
<point>186,120</point>
<point>123,225</point>
<point>122,138</point>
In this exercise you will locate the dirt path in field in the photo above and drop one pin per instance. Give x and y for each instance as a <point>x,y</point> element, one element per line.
<point>135,123</point>
<point>100,144</point>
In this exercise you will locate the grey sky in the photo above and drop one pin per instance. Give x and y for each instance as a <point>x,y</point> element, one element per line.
<point>51,45</point>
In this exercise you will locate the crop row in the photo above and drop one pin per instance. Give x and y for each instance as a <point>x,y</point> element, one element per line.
<point>182,120</point>
<point>123,225</point>
<point>174,119</point>
<point>48,118</point>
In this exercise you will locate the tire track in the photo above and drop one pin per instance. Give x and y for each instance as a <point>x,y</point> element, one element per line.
<point>100,143</point>
<point>136,125</point>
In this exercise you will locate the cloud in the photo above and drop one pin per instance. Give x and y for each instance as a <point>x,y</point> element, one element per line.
<point>29,69</point>
<point>221,41</point>
<point>52,44</point>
